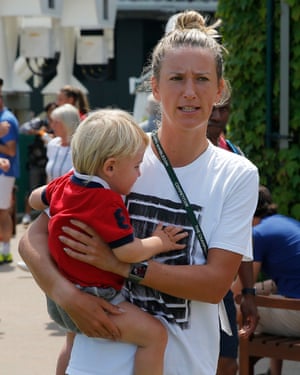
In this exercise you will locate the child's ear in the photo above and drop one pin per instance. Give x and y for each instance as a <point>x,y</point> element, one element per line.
<point>109,166</point>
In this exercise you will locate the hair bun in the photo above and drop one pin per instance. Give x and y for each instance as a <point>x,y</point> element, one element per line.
<point>191,19</point>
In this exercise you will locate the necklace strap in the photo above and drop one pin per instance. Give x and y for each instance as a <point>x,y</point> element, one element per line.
<point>181,193</point>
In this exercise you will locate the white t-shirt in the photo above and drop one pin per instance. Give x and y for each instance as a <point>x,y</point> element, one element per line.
<point>59,159</point>
<point>222,189</point>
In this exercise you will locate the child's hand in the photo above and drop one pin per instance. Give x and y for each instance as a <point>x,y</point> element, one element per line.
<point>169,236</point>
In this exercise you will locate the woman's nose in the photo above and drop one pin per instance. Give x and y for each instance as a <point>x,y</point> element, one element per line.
<point>189,90</point>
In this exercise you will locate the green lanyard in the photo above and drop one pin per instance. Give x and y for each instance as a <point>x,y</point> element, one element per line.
<point>180,192</point>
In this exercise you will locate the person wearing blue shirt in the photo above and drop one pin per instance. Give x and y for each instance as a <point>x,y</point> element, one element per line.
<point>8,150</point>
<point>276,253</point>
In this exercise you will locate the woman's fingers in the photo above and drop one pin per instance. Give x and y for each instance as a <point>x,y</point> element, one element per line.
<point>82,256</point>
<point>88,247</point>
<point>92,316</point>
<point>84,227</point>
<point>74,244</point>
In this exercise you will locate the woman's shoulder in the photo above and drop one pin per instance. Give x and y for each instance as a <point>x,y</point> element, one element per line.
<point>231,160</point>
<point>54,142</point>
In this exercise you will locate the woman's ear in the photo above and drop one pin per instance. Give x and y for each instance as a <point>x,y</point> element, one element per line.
<point>109,167</point>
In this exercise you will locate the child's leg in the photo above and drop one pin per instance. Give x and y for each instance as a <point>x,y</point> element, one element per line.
<point>148,333</point>
<point>64,355</point>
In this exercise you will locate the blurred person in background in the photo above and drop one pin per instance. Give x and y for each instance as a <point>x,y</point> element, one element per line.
<point>276,254</point>
<point>39,127</point>
<point>9,149</point>
<point>64,121</point>
<point>73,95</point>
<point>153,110</point>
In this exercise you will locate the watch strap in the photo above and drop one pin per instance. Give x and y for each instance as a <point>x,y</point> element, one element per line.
<point>248,291</point>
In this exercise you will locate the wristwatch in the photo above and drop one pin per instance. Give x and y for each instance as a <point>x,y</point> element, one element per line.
<point>137,272</point>
<point>248,291</point>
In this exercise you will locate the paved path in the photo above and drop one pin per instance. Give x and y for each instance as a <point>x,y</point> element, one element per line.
<point>29,340</point>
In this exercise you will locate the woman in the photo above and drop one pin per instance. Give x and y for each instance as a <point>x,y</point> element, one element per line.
<point>38,128</point>
<point>73,95</point>
<point>182,290</point>
<point>64,121</point>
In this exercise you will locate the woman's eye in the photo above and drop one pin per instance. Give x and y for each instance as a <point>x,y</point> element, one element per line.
<point>202,78</point>
<point>175,78</point>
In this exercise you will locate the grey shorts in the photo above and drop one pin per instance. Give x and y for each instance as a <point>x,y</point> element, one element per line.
<point>62,318</point>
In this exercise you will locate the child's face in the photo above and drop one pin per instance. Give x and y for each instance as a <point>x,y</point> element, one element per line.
<point>126,172</point>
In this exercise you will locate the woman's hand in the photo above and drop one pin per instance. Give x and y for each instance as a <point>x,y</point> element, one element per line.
<point>91,315</point>
<point>87,246</point>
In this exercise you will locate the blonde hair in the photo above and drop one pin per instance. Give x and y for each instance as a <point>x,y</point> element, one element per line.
<point>189,29</point>
<point>68,115</point>
<point>103,134</point>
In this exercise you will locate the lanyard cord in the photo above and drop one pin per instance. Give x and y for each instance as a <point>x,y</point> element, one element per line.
<point>191,215</point>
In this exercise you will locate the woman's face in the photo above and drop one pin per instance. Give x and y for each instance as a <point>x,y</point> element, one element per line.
<point>187,88</point>
<point>58,128</point>
<point>62,98</point>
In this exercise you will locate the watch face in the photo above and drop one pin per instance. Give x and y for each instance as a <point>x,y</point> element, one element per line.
<point>139,270</point>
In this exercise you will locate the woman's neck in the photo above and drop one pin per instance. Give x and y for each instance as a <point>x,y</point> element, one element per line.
<point>182,149</point>
<point>64,142</point>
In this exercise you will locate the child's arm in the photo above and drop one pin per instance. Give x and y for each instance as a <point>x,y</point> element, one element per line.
<point>35,199</point>
<point>163,239</point>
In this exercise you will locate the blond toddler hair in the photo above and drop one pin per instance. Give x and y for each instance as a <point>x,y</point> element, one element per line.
<point>103,134</point>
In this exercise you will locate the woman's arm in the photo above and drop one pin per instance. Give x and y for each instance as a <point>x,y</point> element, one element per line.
<point>208,283</point>
<point>88,312</point>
